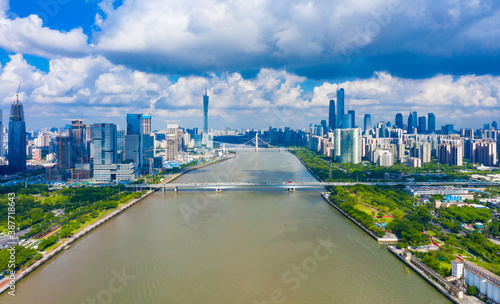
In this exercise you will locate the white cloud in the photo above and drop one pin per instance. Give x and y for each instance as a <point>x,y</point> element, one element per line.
<point>200,36</point>
<point>27,35</point>
<point>94,87</point>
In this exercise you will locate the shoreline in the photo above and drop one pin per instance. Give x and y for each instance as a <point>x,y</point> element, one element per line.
<point>360,225</point>
<point>27,270</point>
<point>438,287</point>
<point>327,199</point>
<point>371,234</point>
<point>24,272</point>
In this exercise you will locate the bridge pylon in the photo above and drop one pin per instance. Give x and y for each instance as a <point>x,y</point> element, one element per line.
<point>257,142</point>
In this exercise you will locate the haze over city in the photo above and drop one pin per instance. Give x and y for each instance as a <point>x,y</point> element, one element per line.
<point>103,59</point>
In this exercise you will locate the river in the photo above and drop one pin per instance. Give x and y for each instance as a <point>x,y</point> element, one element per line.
<point>264,246</point>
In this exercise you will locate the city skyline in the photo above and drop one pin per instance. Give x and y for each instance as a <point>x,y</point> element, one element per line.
<point>288,75</point>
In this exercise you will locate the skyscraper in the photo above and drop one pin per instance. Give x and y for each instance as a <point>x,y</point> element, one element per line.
<point>432,123</point>
<point>348,145</point>
<point>78,135</point>
<point>134,124</point>
<point>105,140</point>
<point>331,117</point>
<point>105,153</point>
<point>340,109</point>
<point>367,122</point>
<point>1,134</point>
<point>325,127</point>
<point>414,118</point>
<point>346,121</point>
<point>410,124</point>
<point>422,124</point>
<point>17,138</point>
<point>64,152</point>
<point>133,140</point>
<point>450,154</point>
<point>399,121</point>
<point>494,125</point>
<point>121,140</point>
<point>352,119</point>
<point>205,112</point>
<point>146,124</point>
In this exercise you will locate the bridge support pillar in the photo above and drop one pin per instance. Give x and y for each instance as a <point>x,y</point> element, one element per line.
<point>218,190</point>
<point>176,189</point>
<point>291,189</point>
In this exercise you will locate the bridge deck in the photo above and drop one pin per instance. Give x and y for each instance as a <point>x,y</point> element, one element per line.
<point>306,184</point>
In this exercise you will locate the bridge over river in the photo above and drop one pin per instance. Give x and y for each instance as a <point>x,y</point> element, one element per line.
<point>293,186</point>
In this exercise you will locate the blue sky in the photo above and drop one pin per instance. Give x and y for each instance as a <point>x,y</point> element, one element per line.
<point>263,62</point>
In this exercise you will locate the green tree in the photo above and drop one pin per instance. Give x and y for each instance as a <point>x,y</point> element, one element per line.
<point>472,290</point>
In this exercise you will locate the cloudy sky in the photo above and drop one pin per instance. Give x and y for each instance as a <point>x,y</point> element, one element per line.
<point>263,62</point>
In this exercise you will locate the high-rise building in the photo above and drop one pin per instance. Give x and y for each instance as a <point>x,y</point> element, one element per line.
<point>448,129</point>
<point>205,112</point>
<point>319,130</point>
<point>399,121</point>
<point>409,129</point>
<point>352,119</point>
<point>146,124</point>
<point>173,141</point>
<point>331,115</point>
<point>139,147</point>
<point>325,127</point>
<point>1,134</point>
<point>383,157</point>
<point>78,135</point>
<point>432,123</point>
<point>348,145</point>
<point>17,138</point>
<point>64,152</point>
<point>367,122</point>
<point>450,154</point>
<point>133,139</point>
<point>134,124</point>
<point>421,150</point>
<point>105,153</point>
<point>422,125</point>
<point>340,109</point>
<point>481,152</point>
<point>121,140</point>
<point>132,149</point>
<point>104,139</point>
<point>494,125</point>
<point>346,121</point>
<point>414,120</point>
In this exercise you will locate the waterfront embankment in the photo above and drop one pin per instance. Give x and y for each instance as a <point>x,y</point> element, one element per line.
<point>5,283</point>
<point>422,274</point>
<point>388,239</point>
